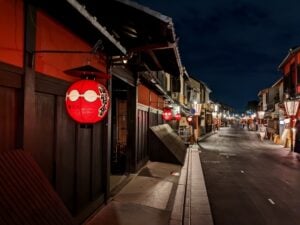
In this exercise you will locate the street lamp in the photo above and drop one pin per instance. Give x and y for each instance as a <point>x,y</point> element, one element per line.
<point>291,108</point>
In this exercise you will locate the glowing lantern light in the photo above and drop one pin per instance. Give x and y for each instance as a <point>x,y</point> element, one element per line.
<point>177,116</point>
<point>87,101</point>
<point>291,107</point>
<point>167,114</point>
<point>189,119</point>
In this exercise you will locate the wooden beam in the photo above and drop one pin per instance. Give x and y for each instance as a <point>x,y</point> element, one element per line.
<point>154,47</point>
<point>154,58</point>
<point>29,77</point>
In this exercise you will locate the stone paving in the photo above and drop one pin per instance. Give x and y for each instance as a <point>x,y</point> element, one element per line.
<point>162,194</point>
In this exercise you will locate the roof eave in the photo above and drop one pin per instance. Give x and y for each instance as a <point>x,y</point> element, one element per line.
<point>291,53</point>
<point>81,9</point>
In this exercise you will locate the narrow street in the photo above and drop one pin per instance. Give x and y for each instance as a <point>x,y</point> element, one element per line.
<point>250,182</point>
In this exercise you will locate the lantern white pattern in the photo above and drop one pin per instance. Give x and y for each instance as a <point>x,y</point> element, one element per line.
<point>87,101</point>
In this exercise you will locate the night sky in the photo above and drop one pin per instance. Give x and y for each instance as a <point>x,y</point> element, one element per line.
<point>235,47</point>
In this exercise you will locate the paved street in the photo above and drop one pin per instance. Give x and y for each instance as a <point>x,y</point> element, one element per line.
<point>250,182</point>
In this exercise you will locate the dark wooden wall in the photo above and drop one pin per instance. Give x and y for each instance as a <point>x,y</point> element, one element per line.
<point>145,119</point>
<point>142,138</point>
<point>153,119</point>
<point>10,108</point>
<point>71,157</point>
<point>160,119</point>
<point>7,118</point>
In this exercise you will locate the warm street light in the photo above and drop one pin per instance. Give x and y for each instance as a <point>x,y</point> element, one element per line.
<point>260,115</point>
<point>215,120</point>
<point>291,108</point>
<point>214,114</point>
<point>216,108</point>
<point>261,127</point>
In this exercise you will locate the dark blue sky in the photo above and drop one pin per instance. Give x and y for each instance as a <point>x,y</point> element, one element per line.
<point>233,46</point>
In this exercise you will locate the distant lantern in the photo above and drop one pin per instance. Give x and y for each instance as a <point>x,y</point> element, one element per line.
<point>87,101</point>
<point>167,114</point>
<point>178,116</point>
<point>189,119</point>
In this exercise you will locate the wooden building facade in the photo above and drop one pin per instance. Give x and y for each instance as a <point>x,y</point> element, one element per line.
<point>38,45</point>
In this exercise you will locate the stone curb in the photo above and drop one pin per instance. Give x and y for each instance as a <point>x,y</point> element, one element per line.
<point>191,204</point>
<point>197,209</point>
<point>177,213</point>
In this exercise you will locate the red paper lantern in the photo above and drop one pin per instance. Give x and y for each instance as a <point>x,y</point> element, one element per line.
<point>87,101</point>
<point>178,116</point>
<point>167,114</point>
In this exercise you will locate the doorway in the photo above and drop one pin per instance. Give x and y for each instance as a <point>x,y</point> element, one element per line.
<point>119,151</point>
